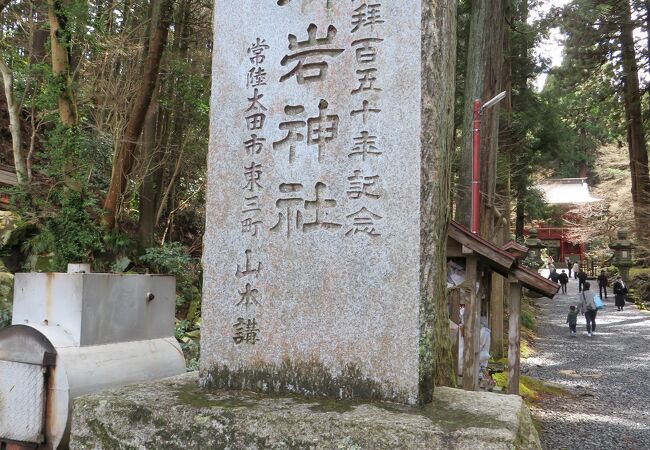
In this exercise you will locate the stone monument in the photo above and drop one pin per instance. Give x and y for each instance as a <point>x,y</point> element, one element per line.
<point>313,248</point>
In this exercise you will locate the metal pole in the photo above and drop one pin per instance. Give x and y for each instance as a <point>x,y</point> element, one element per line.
<point>476,145</point>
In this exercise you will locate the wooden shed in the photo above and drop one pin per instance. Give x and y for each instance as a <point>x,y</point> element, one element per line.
<point>481,258</point>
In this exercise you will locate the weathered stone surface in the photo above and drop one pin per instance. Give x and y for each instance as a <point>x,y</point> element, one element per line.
<point>176,414</point>
<point>313,255</point>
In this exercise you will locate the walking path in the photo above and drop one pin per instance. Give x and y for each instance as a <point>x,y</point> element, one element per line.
<point>607,376</point>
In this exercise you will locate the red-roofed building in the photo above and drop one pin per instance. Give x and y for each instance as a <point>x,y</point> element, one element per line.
<point>564,193</point>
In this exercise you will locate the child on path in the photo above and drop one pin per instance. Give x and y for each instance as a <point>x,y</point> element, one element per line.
<point>564,280</point>
<point>572,319</point>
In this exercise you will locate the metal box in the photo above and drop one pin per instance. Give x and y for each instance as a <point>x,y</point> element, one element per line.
<point>75,334</point>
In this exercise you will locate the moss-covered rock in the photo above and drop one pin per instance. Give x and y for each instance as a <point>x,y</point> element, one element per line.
<point>176,414</point>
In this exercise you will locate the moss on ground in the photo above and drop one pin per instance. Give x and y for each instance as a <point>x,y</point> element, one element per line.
<point>531,389</point>
<point>526,349</point>
<point>191,394</point>
<point>437,411</point>
<point>105,434</point>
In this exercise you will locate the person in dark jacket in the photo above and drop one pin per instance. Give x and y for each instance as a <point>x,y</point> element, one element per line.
<point>582,279</point>
<point>588,308</point>
<point>603,282</point>
<point>564,280</point>
<point>555,277</point>
<point>569,264</point>
<point>620,292</point>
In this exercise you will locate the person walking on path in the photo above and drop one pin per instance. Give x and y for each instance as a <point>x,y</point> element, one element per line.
<point>606,376</point>
<point>620,291</point>
<point>572,319</point>
<point>588,308</point>
<point>564,280</point>
<point>552,272</point>
<point>603,282</point>
<point>582,280</point>
<point>567,260</point>
<point>575,270</point>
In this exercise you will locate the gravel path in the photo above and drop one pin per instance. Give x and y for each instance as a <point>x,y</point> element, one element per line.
<point>607,375</point>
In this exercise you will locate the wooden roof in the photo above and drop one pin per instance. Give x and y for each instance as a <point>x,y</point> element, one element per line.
<point>499,260</point>
<point>502,261</point>
<point>516,249</point>
<point>530,279</point>
<point>515,246</point>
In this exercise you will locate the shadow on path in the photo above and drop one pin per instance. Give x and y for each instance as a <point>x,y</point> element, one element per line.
<point>607,376</point>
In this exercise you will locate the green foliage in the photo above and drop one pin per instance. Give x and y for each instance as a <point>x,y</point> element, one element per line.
<point>62,207</point>
<point>531,389</point>
<point>5,312</point>
<point>174,259</point>
<point>528,314</point>
<point>6,296</point>
<point>532,263</point>
<point>188,334</point>
<point>171,259</point>
<point>5,315</point>
<point>67,224</point>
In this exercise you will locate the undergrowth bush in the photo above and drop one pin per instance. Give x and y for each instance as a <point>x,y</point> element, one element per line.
<point>5,314</point>
<point>62,206</point>
<point>174,259</point>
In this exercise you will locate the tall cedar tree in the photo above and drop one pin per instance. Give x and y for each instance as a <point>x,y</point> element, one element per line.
<point>482,81</point>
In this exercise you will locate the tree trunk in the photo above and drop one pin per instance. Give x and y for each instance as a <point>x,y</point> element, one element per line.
<point>520,214</point>
<point>148,189</point>
<point>14,123</point>
<point>519,172</point>
<point>482,81</point>
<point>635,133</point>
<point>438,94</point>
<point>178,114</point>
<point>647,28</point>
<point>61,66</point>
<point>125,156</point>
<point>502,223</point>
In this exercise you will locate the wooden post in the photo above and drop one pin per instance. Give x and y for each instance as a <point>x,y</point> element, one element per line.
<point>514,337</point>
<point>497,298</point>
<point>472,328</point>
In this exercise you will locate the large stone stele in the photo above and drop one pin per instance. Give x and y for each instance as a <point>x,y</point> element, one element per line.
<point>175,414</point>
<point>322,221</point>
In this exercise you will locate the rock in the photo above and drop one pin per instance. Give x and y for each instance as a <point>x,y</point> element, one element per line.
<point>8,223</point>
<point>175,414</point>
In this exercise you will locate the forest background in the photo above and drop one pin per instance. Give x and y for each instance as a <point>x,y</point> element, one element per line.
<point>105,119</point>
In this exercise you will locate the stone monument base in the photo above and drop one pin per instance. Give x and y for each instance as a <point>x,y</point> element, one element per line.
<point>175,414</point>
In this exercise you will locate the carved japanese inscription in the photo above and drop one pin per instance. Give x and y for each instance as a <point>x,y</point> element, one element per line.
<point>311,244</point>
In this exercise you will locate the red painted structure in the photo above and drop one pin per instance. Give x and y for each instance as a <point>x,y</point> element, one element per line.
<point>476,146</point>
<point>558,245</point>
